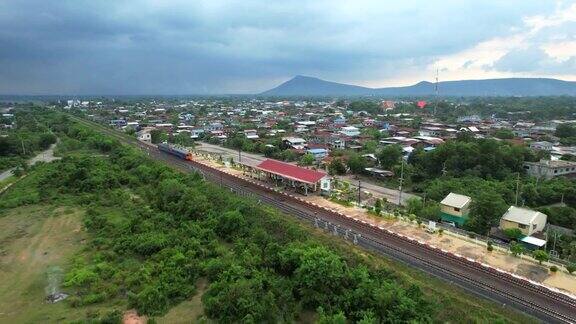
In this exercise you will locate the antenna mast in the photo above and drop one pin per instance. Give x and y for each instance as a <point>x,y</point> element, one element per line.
<point>436,92</point>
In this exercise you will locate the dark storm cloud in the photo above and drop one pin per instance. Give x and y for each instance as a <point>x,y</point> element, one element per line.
<point>176,47</point>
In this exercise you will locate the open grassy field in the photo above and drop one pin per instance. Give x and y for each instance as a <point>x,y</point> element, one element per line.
<point>32,239</point>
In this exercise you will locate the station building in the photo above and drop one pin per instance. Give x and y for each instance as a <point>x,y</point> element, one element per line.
<point>288,175</point>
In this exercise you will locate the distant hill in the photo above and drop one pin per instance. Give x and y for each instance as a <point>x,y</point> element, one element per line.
<point>309,86</point>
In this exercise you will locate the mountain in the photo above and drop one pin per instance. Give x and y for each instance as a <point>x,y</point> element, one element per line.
<point>309,86</point>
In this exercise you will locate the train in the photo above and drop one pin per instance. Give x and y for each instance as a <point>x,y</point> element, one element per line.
<point>175,150</point>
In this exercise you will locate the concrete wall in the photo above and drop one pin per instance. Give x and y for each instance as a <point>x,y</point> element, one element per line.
<point>450,210</point>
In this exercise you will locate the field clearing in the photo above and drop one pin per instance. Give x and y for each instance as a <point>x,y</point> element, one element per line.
<point>188,311</point>
<point>33,238</point>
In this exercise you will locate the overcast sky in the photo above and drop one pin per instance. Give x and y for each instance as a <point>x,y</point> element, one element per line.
<point>247,46</point>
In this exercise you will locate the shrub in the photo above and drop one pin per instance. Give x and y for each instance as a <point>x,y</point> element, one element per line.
<point>553,268</point>
<point>571,267</point>
<point>489,247</point>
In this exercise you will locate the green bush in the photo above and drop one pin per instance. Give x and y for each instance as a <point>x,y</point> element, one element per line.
<point>553,268</point>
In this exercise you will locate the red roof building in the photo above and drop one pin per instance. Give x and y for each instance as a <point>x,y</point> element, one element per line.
<point>290,171</point>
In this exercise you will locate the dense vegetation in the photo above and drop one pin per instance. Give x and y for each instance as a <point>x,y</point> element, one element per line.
<point>28,136</point>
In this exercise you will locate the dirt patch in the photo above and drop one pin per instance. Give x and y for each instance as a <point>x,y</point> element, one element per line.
<point>468,252</point>
<point>131,317</point>
<point>422,235</point>
<point>34,238</point>
<point>533,272</point>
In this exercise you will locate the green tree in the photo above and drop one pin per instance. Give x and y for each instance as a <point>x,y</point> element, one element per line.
<point>319,276</point>
<point>378,206</point>
<point>565,130</point>
<point>389,156</point>
<point>323,318</point>
<point>307,159</point>
<point>540,255</point>
<point>158,136</point>
<point>356,163</point>
<point>336,167</point>
<point>516,249</point>
<point>513,233</point>
<point>485,211</point>
<point>504,133</point>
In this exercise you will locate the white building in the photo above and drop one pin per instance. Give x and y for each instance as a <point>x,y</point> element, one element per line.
<point>527,220</point>
<point>550,168</point>
<point>543,146</point>
<point>294,142</point>
<point>145,137</point>
<point>350,131</point>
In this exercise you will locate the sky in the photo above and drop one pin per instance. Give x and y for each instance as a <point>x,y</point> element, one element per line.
<point>115,47</point>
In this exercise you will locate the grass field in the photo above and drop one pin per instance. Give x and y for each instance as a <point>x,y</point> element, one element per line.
<point>32,239</point>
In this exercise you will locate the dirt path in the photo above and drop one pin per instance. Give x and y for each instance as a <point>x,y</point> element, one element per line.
<point>45,156</point>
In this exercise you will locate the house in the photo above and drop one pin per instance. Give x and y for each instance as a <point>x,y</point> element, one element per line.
<point>294,142</point>
<point>550,168</point>
<point>251,134</point>
<point>196,132</point>
<point>318,153</point>
<point>527,220</point>
<point>300,129</point>
<point>145,136</point>
<point>340,120</point>
<point>542,146</point>
<point>455,208</point>
<point>215,126</point>
<point>350,131</point>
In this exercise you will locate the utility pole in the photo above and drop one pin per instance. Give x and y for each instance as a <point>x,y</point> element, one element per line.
<point>239,154</point>
<point>401,182</point>
<point>23,149</point>
<point>517,188</point>
<point>359,186</point>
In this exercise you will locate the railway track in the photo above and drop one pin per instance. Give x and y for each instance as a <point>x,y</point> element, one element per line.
<point>545,304</point>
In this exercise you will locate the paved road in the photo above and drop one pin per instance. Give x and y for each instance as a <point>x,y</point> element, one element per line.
<point>245,158</point>
<point>45,156</point>
<point>391,195</point>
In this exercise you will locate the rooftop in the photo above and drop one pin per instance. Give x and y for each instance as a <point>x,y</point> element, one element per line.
<point>553,163</point>
<point>290,171</point>
<point>456,200</point>
<point>521,215</point>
